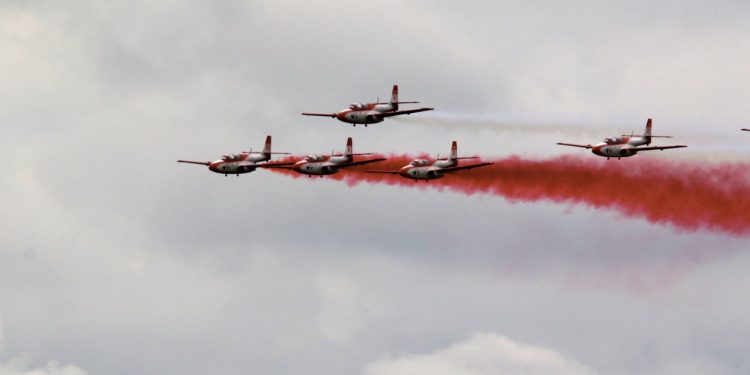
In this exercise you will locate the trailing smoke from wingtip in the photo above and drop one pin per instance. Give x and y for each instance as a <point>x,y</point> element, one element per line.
<point>580,128</point>
<point>688,196</point>
<point>501,122</point>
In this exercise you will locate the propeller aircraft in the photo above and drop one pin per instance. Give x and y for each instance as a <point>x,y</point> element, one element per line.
<point>422,169</point>
<point>625,145</point>
<point>371,113</point>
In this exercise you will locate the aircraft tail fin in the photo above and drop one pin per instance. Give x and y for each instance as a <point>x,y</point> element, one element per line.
<point>647,132</point>
<point>267,146</point>
<point>394,97</point>
<point>454,151</point>
<point>348,151</point>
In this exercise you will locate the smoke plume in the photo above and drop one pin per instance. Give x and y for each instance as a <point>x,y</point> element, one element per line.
<point>688,195</point>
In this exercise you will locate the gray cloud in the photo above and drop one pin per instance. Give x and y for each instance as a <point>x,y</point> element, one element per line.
<point>22,365</point>
<point>145,266</point>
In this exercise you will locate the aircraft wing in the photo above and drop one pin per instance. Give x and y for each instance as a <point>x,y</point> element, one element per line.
<point>361,162</point>
<point>206,163</point>
<point>388,172</point>
<point>289,165</point>
<point>406,112</point>
<point>333,115</point>
<point>656,148</point>
<point>747,130</point>
<point>275,165</point>
<point>573,145</point>
<point>462,167</point>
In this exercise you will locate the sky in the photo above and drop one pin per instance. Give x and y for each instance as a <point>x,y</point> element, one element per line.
<point>114,259</point>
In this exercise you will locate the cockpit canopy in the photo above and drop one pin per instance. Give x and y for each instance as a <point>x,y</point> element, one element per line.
<point>614,140</point>
<point>230,157</point>
<point>356,106</point>
<point>314,158</point>
<point>419,163</point>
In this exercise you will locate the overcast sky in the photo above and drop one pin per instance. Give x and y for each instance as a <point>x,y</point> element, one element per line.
<point>114,259</point>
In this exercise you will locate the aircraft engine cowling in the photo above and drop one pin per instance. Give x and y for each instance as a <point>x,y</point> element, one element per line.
<point>325,169</point>
<point>431,173</point>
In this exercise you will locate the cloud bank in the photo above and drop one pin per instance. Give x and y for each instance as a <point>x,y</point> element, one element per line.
<point>482,354</point>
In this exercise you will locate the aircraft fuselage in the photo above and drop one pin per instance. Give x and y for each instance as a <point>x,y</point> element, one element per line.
<point>320,165</point>
<point>364,113</point>
<point>619,147</point>
<point>236,164</point>
<point>418,170</point>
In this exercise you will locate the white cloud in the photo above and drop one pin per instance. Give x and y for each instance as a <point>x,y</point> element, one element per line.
<point>485,353</point>
<point>22,366</point>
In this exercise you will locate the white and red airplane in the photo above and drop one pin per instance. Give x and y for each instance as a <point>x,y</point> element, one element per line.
<point>244,162</point>
<point>371,113</point>
<point>321,165</point>
<point>421,169</point>
<point>625,145</point>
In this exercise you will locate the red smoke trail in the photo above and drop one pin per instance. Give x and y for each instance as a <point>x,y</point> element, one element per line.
<point>690,195</point>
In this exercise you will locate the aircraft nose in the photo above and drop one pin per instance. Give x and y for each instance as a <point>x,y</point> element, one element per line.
<point>404,172</point>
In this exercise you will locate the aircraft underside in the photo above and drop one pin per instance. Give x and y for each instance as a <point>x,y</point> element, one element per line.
<point>361,118</point>
<point>316,170</point>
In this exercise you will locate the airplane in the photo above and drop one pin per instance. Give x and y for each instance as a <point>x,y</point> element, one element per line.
<point>625,145</point>
<point>421,169</point>
<point>244,162</point>
<point>321,165</point>
<point>371,113</point>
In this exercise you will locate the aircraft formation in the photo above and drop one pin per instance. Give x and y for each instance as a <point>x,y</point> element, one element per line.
<point>418,169</point>
<point>322,165</point>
